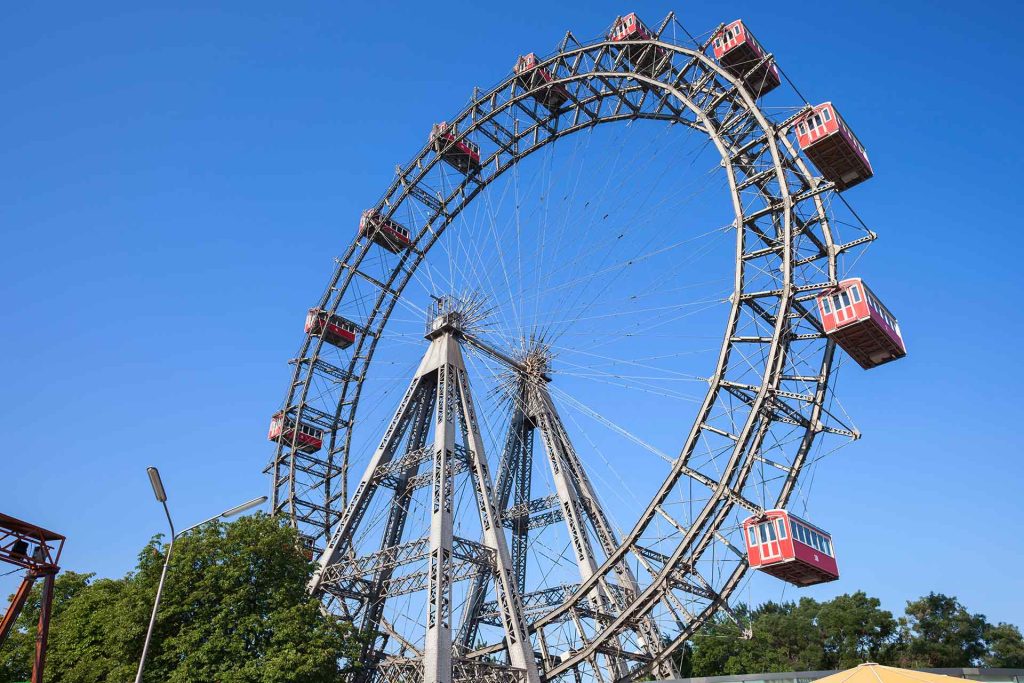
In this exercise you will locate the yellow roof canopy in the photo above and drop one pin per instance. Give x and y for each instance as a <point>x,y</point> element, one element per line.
<point>876,673</point>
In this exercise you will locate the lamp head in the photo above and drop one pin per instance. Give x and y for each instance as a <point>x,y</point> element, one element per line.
<point>244,506</point>
<point>158,486</point>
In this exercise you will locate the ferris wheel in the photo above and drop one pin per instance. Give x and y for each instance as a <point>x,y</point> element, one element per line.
<point>557,396</point>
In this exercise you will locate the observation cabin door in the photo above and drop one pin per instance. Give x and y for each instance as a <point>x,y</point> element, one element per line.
<point>844,308</point>
<point>769,537</point>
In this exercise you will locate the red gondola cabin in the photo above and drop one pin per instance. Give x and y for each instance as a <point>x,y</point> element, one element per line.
<point>649,60</point>
<point>827,141</point>
<point>308,439</point>
<point>738,52</point>
<point>384,231</point>
<point>786,547</point>
<point>335,330</point>
<point>461,153</point>
<point>862,326</point>
<point>531,76</point>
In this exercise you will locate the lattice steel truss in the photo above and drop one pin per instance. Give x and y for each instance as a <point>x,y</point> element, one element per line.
<point>764,408</point>
<point>440,389</point>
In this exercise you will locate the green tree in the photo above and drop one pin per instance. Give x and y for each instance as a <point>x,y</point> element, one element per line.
<point>17,653</point>
<point>783,639</point>
<point>855,629</point>
<point>234,610</point>
<point>792,631</point>
<point>682,661</point>
<point>718,648</point>
<point>87,638</point>
<point>1005,647</point>
<point>937,631</point>
<point>800,636</point>
<point>940,632</point>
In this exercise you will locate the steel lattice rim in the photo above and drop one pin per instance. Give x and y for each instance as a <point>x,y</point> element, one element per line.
<point>800,194</point>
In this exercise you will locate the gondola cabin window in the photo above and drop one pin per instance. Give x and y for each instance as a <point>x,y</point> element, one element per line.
<point>811,538</point>
<point>304,437</point>
<point>334,329</point>
<point>730,37</point>
<point>384,231</point>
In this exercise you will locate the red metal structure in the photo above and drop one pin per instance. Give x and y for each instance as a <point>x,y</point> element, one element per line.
<point>738,52</point>
<point>38,551</point>
<point>461,153</point>
<point>335,330</point>
<point>532,76</point>
<point>827,141</point>
<point>309,439</point>
<point>786,547</point>
<point>650,60</point>
<point>385,232</point>
<point>862,326</point>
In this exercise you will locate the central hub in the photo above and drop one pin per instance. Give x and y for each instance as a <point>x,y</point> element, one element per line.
<point>454,315</point>
<point>450,322</point>
<point>537,360</point>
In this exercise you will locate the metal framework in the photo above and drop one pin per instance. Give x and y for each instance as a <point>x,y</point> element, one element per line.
<point>439,388</point>
<point>38,552</point>
<point>641,595</point>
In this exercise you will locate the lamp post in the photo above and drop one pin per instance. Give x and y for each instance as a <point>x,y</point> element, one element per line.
<point>161,497</point>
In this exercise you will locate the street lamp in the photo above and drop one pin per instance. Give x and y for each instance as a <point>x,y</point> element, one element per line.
<point>161,497</point>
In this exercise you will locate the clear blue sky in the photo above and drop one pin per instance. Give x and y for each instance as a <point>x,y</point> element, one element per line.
<point>176,180</point>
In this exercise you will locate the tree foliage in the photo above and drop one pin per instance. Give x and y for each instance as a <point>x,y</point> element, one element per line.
<point>17,653</point>
<point>1005,647</point>
<point>936,631</point>
<point>234,610</point>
